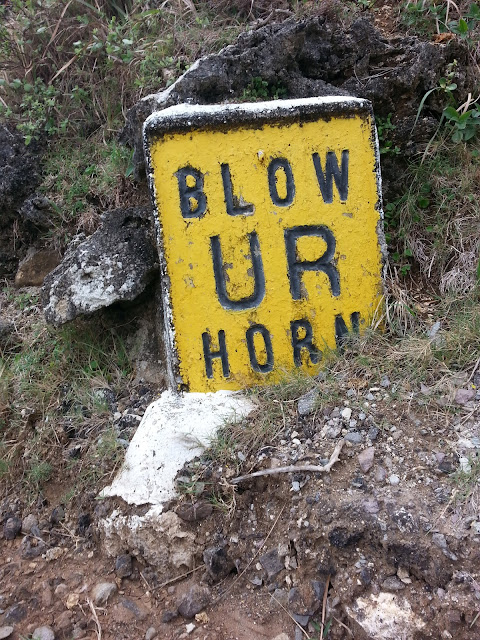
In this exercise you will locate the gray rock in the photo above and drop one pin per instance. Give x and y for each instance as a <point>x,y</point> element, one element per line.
<point>15,613</point>
<point>392,583</point>
<point>19,176</point>
<point>168,616</point>
<point>385,382</point>
<point>440,541</point>
<point>102,591</point>
<point>354,437</point>
<point>43,633</point>
<point>58,515</point>
<point>307,403</point>
<point>373,434</point>
<point>12,527</point>
<point>462,396</point>
<point>272,563</point>
<point>5,632</point>
<point>123,565</point>
<point>132,610</point>
<point>194,511</point>
<point>150,633</point>
<point>365,459</point>
<point>6,331</point>
<point>394,479</point>
<point>302,620</point>
<point>115,264</point>
<point>314,57</point>
<point>28,522</point>
<point>193,601</point>
<point>333,432</point>
<point>219,565</point>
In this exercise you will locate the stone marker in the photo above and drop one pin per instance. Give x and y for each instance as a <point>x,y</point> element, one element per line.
<point>270,235</point>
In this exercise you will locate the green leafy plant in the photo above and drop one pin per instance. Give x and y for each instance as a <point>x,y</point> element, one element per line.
<point>464,124</point>
<point>260,89</point>
<point>384,128</point>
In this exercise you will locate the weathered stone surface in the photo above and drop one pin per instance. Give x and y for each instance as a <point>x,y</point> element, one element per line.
<point>43,633</point>
<point>123,565</point>
<point>33,269</point>
<point>315,57</point>
<point>462,396</point>
<point>272,563</point>
<point>218,563</point>
<point>5,632</point>
<point>12,527</point>
<point>307,402</point>
<point>193,601</point>
<point>194,511</point>
<point>102,591</point>
<point>157,537</point>
<point>115,264</point>
<point>19,176</point>
<point>365,459</point>
<point>15,613</point>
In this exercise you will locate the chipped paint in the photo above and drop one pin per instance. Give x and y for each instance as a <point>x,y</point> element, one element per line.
<point>270,232</point>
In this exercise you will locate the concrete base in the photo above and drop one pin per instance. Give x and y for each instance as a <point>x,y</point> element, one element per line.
<point>175,429</point>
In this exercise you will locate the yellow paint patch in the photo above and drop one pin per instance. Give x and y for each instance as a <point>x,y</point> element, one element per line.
<point>269,243</point>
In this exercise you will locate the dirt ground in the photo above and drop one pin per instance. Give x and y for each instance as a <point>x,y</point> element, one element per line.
<point>385,545</point>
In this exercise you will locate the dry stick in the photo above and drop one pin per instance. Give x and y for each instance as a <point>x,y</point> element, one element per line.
<point>239,577</point>
<point>293,469</point>
<point>475,619</point>
<point>180,577</point>
<point>474,370</point>
<point>343,625</point>
<point>289,615</point>
<point>95,617</point>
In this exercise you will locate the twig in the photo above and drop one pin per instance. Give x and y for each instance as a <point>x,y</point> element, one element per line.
<point>343,625</point>
<point>149,588</point>
<point>324,605</point>
<point>95,617</point>
<point>180,577</point>
<point>294,469</point>
<point>475,619</point>
<point>290,615</point>
<point>240,576</point>
<point>474,370</point>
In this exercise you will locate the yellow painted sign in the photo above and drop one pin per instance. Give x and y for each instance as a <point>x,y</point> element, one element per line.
<point>270,235</point>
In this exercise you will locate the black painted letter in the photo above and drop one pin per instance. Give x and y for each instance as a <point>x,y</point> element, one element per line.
<point>303,343</point>
<point>234,205</point>
<point>191,193</point>
<point>323,263</point>
<point>221,353</point>
<point>332,172</point>
<point>273,167</point>
<point>341,329</point>
<point>250,335</point>
<point>259,277</point>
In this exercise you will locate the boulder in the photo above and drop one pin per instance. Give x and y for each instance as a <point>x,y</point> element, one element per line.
<point>317,57</point>
<point>115,264</point>
<point>19,176</point>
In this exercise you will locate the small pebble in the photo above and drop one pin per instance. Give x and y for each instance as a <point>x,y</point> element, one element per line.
<point>150,633</point>
<point>346,414</point>
<point>394,479</point>
<point>354,437</point>
<point>43,633</point>
<point>102,591</point>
